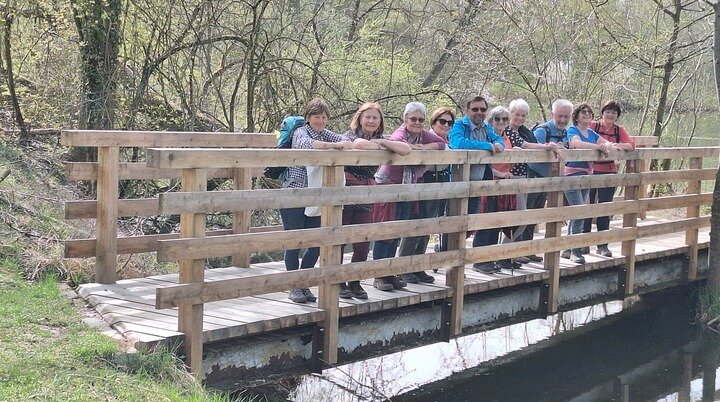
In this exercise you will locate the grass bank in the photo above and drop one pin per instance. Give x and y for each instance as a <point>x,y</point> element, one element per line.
<point>49,354</point>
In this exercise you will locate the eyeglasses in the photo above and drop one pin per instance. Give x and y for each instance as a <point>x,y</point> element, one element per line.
<point>417,119</point>
<point>501,118</point>
<point>444,122</point>
<point>476,109</point>
<point>585,111</point>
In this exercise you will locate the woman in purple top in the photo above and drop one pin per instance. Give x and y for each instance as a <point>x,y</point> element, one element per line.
<point>412,133</point>
<point>366,132</point>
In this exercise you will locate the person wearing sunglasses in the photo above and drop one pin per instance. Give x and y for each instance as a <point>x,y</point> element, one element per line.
<point>473,133</point>
<point>440,122</point>
<point>581,136</point>
<point>499,119</point>
<point>413,133</point>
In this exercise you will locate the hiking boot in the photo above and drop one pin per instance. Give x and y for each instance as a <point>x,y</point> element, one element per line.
<point>383,284</point>
<point>345,293</point>
<point>424,277</point>
<point>297,296</point>
<point>397,282</point>
<point>534,258</point>
<point>522,260</point>
<point>309,296</point>
<point>586,250</point>
<point>486,267</point>
<point>410,278</point>
<point>604,251</point>
<point>565,254</point>
<point>503,264</point>
<point>577,257</point>
<point>357,291</point>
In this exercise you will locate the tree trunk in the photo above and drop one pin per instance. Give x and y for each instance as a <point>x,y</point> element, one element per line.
<point>98,26</point>
<point>468,15</point>
<point>716,47</point>
<point>7,56</point>
<point>714,258</point>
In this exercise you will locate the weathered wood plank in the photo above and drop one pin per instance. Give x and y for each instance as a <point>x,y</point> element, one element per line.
<point>234,200</point>
<point>693,211</point>
<point>144,139</point>
<point>86,209</point>
<point>195,293</point>
<point>84,248</point>
<point>190,316</point>
<point>139,171</point>
<point>176,249</point>
<point>107,215</point>
<point>183,158</point>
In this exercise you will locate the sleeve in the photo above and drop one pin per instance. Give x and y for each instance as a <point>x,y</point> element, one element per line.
<point>350,136</point>
<point>594,136</point>
<point>493,137</point>
<point>625,137</point>
<point>571,132</point>
<point>329,136</point>
<point>430,137</point>
<point>515,139</point>
<point>301,139</point>
<point>540,135</point>
<point>458,140</point>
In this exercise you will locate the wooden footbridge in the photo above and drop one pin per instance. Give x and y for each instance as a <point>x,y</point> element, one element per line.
<point>237,319</point>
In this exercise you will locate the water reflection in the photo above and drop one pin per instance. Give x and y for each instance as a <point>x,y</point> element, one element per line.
<point>394,374</point>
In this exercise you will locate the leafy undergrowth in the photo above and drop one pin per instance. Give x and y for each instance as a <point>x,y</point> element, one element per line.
<point>48,353</point>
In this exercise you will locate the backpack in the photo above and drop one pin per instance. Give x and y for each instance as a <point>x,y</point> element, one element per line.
<point>285,135</point>
<point>595,125</point>
<point>548,134</point>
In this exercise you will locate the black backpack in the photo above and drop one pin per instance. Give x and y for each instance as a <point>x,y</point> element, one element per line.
<point>548,134</point>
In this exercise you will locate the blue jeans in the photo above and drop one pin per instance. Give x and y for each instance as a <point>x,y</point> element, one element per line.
<point>387,248</point>
<point>576,197</point>
<point>295,218</point>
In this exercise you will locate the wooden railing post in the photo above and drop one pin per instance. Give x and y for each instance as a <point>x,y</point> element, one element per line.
<point>630,221</point>
<point>693,211</point>
<point>455,276</point>
<point>242,219</point>
<point>190,316</point>
<point>107,214</point>
<point>552,259</point>
<point>329,297</point>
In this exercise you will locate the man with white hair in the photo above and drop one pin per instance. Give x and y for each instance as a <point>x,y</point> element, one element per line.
<point>550,132</point>
<point>471,132</point>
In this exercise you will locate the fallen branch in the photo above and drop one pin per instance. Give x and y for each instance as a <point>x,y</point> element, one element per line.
<point>4,175</point>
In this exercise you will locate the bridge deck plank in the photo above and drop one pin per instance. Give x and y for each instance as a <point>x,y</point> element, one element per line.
<point>128,305</point>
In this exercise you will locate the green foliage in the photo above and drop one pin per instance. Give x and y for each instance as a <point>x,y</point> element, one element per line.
<point>709,302</point>
<point>49,354</point>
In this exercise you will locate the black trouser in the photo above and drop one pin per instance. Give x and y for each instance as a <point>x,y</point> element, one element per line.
<point>534,201</point>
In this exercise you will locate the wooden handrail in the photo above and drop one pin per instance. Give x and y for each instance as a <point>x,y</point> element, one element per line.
<point>251,152</point>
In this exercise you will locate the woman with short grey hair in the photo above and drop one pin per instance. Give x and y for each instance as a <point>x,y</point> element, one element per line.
<point>412,131</point>
<point>519,133</point>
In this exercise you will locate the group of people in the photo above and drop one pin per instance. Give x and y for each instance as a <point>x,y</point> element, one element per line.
<point>495,130</point>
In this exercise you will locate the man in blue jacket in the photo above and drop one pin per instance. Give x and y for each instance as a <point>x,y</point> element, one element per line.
<point>472,132</point>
